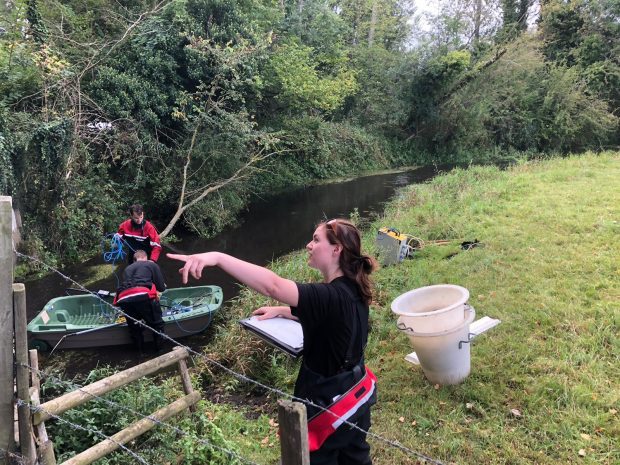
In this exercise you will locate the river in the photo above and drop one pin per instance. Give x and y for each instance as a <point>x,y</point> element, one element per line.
<point>270,228</point>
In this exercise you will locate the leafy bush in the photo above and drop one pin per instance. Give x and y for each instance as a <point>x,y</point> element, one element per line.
<point>315,150</point>
<point>519,103</point>
<point>299,85</point>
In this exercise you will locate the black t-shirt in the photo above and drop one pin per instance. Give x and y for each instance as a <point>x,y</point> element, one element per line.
<point>143,273</point>
<point>327,314</point>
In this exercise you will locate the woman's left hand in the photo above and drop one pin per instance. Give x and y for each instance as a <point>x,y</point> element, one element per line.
<point>265,313</point>
<point>194,263</point>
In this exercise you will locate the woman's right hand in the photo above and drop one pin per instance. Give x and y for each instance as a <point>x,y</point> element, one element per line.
<point>194,263</point>
<point>265,313</point>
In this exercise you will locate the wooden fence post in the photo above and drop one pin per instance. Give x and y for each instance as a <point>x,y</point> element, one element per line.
<point>293,433</point>
<point>26,437</point>
<point>45,447</point>
<point>186,380</point>
<point>7,435</point>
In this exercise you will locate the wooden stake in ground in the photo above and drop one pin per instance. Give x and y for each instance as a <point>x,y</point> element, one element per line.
<point>26,436</point>
<point>293,433</point>
<point>6,327</point>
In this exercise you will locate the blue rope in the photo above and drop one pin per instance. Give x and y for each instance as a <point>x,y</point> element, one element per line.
<point>177,308</point>
<point>193,332</point>
<point>116,252</point>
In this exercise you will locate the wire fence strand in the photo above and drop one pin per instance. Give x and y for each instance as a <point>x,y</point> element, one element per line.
<point>16,459</point>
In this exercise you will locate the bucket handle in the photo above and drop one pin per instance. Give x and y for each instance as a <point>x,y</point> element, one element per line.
<point>403,327</point>
<point>470,336</point>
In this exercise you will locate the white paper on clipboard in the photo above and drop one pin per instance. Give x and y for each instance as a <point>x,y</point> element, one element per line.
<point>282,332</point>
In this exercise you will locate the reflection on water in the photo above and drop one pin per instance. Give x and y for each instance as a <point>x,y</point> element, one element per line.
<point>270,228</point>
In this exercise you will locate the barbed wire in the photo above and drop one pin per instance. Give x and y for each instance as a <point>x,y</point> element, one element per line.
<point>38,408</point>
<point>241,376</point>
<point>176,429</point>
<point>18,459</point>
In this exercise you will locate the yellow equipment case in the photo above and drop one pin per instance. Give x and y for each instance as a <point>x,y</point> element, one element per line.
<point>394,247</point>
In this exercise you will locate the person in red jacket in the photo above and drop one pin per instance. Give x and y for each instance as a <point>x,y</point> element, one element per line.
<point>137,233</point>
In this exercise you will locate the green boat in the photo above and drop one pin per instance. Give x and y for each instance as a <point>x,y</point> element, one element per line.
<point>90,320</point>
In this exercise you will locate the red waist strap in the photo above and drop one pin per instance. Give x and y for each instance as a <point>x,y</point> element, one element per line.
<point>136,291</point>
<point>324,424</point>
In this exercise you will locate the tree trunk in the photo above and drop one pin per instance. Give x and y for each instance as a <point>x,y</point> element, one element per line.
<point>300,10</point>
<point>173,221</point>
<point>524,6</point>
<point>373,23</point>
<point>477,16</point>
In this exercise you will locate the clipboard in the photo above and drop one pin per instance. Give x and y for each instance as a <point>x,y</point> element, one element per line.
<point>282,333</point>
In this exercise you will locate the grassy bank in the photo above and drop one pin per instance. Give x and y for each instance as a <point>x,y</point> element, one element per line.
<point>544,383</point>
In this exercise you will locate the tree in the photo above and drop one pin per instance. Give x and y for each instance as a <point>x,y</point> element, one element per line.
<point>46,115</point>
<point>374,22</point>
<point>225,146</point>
<point>514,17</point>
<point>430,83</point>
<point>188,106</point>
<point>459,24</point>
<point>297,82</point>
<point>382,99</point>
<point>513,101</point>
<point>585,35</point>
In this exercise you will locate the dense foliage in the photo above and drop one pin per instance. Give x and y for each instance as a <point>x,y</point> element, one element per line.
<point>192,106</point>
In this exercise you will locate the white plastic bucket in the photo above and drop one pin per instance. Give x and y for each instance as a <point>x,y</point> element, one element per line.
<point>444,355</point>
<point>432,308</point>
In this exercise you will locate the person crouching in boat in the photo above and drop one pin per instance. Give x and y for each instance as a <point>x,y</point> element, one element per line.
<point>334,319</point>
<point>138,297</point>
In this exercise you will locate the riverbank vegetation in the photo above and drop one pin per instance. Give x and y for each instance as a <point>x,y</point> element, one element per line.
<point>192,106</point>
<point>543,386</point>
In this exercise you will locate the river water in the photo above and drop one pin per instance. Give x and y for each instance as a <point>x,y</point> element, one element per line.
<point>270,228</point>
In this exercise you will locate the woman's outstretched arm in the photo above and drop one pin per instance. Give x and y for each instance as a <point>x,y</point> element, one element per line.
<point>259,278</point>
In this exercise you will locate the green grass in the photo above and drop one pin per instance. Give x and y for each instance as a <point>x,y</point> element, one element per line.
<point>549,269</point>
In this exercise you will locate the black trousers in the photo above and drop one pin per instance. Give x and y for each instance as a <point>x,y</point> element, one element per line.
<point>147,310</point>
<point>347,446</point>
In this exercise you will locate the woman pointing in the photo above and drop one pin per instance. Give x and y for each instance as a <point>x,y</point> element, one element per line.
<point>334,319</point>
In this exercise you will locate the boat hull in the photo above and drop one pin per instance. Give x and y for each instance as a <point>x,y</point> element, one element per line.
<point>186,311</point>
